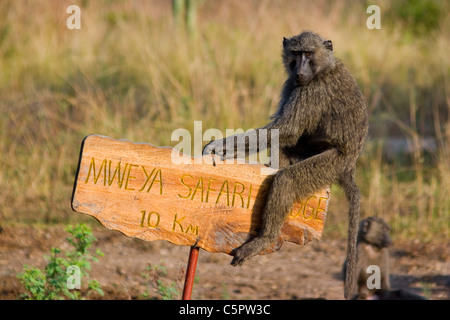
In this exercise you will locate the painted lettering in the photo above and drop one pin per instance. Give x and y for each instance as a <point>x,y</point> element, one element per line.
<point>311,210</point>
<point>249,196</point>
<point>238,193</point>
<point>109,174</point>
<point>130,177</point>
<point>225,183</point>
<point>116,172</point>
<point>192,229</point>
<point>92,168</point>
<point>153,219</point>
<point>147,177</point>
<point>157,173</point>
<point>177,222</point>
<point>301,210</point>
<point>209,188</point>
<point>199,186</point>
<point>205,191</point>
<point>308,212</point>
<point>182,181</point>
<point>320,209</point>
<point>189,229</point>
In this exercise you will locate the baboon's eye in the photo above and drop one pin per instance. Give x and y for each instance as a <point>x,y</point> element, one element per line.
<point>295,53</point>
<point>308,53</point>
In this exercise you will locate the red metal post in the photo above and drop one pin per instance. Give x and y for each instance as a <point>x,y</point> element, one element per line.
<point>190,273</point>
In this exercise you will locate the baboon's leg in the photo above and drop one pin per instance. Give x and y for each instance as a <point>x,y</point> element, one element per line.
<point>353,196</point>
<point>290,184</point>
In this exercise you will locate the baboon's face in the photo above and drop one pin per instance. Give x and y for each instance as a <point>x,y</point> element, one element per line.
<point>305,56</point>
<point>375,232</point>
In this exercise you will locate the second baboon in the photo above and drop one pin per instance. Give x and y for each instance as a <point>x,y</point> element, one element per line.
<point>322,126</point>
<point>372,250</point>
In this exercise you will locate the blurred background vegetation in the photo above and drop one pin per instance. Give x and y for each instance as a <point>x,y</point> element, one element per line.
<point>138,70</point>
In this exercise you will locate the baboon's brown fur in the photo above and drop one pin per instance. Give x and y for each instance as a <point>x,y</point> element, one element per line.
<point>323,124</point>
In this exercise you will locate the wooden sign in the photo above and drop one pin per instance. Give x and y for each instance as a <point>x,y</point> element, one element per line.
<point>137,189</point>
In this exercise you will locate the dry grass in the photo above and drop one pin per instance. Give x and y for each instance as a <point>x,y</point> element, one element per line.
<point>130,73</point>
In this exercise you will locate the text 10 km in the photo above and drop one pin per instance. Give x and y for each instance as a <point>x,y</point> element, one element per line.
<point>151,219</point>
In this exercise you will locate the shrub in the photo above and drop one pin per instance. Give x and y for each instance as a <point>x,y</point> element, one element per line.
<point>56,280</point>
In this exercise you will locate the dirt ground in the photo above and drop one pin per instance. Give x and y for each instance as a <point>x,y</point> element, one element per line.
<point>295,272</point>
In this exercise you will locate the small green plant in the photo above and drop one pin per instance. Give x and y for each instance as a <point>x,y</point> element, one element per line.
<point>155,276</point>
<point>225,292</point>
<point>426,289</point>
<point>63,274</point>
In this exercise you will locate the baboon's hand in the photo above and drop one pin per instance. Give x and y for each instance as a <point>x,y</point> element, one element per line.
<point>215,147</point>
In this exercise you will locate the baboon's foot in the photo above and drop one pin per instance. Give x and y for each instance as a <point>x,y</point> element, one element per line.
<point>248,250</point>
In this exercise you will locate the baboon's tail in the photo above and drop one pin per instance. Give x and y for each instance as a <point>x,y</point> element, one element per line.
<point>353,196</point>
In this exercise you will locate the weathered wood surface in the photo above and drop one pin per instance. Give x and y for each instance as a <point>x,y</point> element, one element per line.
<point>138,190</point>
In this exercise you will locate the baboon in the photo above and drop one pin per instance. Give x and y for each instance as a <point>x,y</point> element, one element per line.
<point>322,125</point>
<point>372,249</point>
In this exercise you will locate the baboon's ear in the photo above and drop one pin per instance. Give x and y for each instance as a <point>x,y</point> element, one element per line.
<point>328,45</point>
<point>285,42</point>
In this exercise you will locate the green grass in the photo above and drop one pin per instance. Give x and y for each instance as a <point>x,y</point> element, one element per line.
<point>130,73</point>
